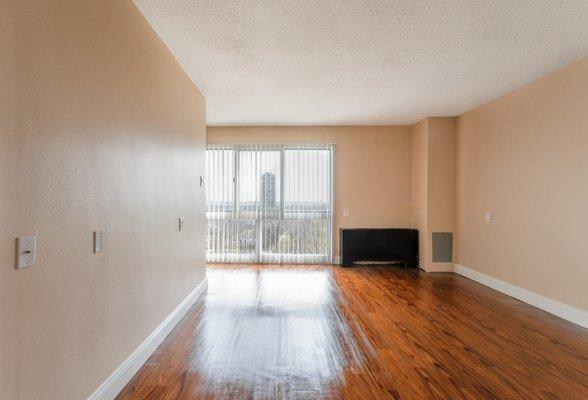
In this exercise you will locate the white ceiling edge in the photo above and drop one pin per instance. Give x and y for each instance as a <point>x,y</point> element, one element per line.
<point>329,63</point>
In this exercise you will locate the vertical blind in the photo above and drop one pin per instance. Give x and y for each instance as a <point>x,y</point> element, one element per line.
<point>269,203</point>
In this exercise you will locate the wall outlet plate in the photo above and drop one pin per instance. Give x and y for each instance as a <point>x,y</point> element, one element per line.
<point>26,250</point>
<point>488,217</point>
<point>98,242</point>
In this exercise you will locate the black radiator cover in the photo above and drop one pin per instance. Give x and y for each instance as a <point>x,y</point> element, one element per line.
<point>380,245</point>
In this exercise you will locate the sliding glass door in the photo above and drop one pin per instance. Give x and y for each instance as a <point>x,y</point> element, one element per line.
<point>269,203</point>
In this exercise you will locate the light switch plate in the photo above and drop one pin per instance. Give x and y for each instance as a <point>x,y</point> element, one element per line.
<point>98,242</point>
<point>180,223</point>
<point>488,217</point>
<point>345,212</point>
<point>26,249</point>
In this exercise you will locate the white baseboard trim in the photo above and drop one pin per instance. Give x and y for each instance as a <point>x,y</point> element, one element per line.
<point>565,311</point>
<point>123,374</point>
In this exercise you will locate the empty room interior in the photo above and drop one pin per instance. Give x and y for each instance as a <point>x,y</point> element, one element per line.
<point>318,199</point>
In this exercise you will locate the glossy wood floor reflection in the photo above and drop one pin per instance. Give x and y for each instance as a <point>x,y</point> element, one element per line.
<point>325,332</point>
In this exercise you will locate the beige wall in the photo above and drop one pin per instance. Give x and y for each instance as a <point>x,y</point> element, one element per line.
<point>433,184</point>
<point>420,208</point>
<point>524,157</point>
<point>8,198</point>
<point>441,182</point>
<point>109,135</point>
<point>371,172</point>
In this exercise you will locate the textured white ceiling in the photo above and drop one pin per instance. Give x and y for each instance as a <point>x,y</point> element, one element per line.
<point>350,62</point>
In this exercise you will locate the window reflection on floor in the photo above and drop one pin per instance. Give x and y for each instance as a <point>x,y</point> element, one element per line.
<point>272,326</point>
<point>294,289</point>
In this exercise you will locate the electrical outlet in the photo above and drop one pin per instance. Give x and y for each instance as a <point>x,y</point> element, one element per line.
<point>26,250</point>
<point>488,217</point>
<point>345,212</point>
<point>98,242</point>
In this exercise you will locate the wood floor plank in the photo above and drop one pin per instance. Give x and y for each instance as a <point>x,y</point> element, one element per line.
<point>327,332</point>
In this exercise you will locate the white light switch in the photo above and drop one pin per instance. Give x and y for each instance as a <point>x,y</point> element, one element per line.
<point>26,248</point>
<point>488,217</point>
<point>180,223</point>
<point>98,242</point>
<point>345,212</point>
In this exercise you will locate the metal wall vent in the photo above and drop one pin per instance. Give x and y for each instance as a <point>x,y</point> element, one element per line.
<point>442,246</point>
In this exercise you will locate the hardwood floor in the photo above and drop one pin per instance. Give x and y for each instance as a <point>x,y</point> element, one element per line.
<point>326,332</point>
